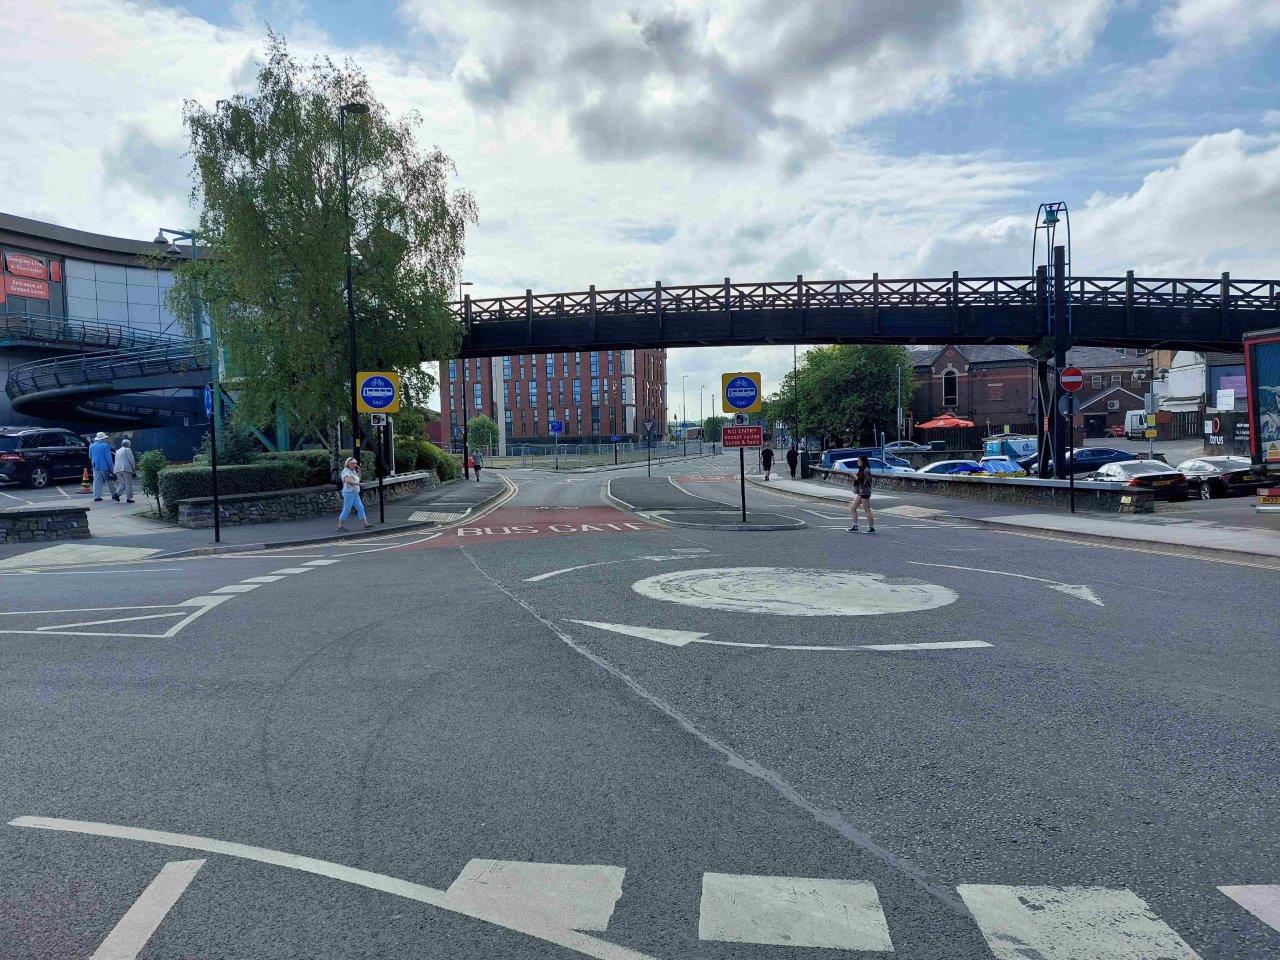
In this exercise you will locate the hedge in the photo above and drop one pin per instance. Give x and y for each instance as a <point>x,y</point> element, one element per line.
<point>317,462</point>
<point>185,483</point>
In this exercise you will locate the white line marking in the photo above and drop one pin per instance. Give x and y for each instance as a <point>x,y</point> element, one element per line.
<point>792,912</point>
<point>550,894</point>
<point>1071,923</point>
<point>238,588</point>
<point>96,623</point>
<point>603,563</point>
<point>672,638</point>
<point>1071,589</point>
<point>64,493</point>
<point>130,935</point>
<point>19,499</point>
<point>1262,900</point>
<point>289,570</point>
<point>825,516</point>
<point>888,647</point>
<point>72,573</point>
<point>571,939</point>
<point>261,579</point>
<point>690,550</point>
<point>323,563</point>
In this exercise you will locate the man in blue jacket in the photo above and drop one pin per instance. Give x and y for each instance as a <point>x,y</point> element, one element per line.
<point>103,462</point>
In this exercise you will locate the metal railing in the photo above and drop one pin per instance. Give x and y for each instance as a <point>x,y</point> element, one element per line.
<point>65,332</point>
<point>941,292</point>
<point>101,370</point>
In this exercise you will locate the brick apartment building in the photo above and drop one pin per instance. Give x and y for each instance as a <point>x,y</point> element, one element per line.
<point>597,395</point>
<point>995,385</point>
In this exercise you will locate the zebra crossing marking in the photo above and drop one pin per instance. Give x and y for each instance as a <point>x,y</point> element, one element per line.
<point>1070,923</point>
<point>792,912</point>
<point>1262,900</point>
<point>568,897</point>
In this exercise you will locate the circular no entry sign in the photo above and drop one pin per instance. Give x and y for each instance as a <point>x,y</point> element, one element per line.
<point>1071,378</point>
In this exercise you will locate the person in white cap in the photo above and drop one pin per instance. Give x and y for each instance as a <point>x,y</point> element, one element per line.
<point>103,463</point>
<point>126,466</point>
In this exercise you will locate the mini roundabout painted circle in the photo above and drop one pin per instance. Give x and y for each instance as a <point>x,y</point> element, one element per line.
<point>794,591</point>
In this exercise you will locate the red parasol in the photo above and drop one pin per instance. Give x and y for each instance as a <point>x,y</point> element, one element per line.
<point>946,420</point>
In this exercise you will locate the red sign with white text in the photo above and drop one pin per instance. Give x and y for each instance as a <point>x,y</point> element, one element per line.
<point>20,265</point>
<point>1071,378</point>
<point>738,437</point>
<point>24,287</point>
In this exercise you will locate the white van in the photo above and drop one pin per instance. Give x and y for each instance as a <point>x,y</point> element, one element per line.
<point>1135,424</point>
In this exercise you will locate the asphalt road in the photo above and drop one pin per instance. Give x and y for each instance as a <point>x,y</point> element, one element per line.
<point>565,729</point>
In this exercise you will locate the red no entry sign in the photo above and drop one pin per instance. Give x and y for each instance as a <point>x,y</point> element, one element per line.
<point>1071,378</point>
<point>742,437</point>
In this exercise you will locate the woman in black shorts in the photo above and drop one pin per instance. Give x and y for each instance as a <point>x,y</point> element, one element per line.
<point>862,495</point>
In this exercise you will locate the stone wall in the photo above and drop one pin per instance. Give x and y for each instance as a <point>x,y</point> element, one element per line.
<point>280,505</point>
<point>1103,497</point>
<point>54,522</point>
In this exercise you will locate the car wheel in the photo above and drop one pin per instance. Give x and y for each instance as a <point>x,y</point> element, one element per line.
<point>39,478</point>
<point>1206,493</point>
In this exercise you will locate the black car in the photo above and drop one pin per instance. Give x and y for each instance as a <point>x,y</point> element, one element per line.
<point>1222,476</point>
<point>1160,478</point>
<point>1088,459</point>
<point>37,456</point>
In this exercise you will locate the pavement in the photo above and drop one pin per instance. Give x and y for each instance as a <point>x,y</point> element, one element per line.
<point>1218,527</point>
<point>560,729</point>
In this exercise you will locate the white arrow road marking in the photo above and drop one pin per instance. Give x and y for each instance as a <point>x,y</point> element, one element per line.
<point>603,563</point>
<point>1071,923</point>
<point>130,935</point>
<point>792,912</point>
<point>553,894</point>
<point>681,638</point>
<point>1071,589</point>
<point>672,638</point>
<point>529,925</point>
<point>1262,900</point>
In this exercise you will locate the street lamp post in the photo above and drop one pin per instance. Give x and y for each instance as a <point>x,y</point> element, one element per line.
<point>170,238</point>
<point>702,421</point>
<point>359,109</point>
<point>466,455</point>
<point>684,414</point>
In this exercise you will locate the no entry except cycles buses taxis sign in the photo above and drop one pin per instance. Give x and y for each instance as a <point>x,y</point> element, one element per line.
<point>740,392</point>
<point>742,437</point>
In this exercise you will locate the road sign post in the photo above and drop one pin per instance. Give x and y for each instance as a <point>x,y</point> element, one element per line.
<point>557,428</point>
<point>743,437</point>
<point>213,461</point>
<point>1067,407</point>
<point>648,447</point>
<point>379,420</point>
<point>740,392</point>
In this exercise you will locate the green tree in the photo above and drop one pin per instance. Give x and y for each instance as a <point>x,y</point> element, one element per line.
<point>713,427</point>
<point>412,421</point>
<point>269,182</point>
<point>482,432</point>
<point>845,391</point>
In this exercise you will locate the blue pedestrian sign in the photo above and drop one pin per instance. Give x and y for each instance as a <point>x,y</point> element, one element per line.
<point>378,392</point>
<point>557,427</point>
<point>615,438</point>
<point>208,402</point>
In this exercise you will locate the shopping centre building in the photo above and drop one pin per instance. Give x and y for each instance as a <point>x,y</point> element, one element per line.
<point>86,340</point>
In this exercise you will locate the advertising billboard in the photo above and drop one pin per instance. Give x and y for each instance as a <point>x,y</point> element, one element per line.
<point>1262,363</point>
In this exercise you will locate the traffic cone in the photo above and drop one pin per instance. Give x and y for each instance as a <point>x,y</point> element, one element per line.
<point>86,482</point>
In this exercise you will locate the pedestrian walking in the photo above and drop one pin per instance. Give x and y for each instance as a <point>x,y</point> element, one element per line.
<point>126,465</point>
<point>862,495</point>
<point>793,457</point>
<point>766,461</point>
<point>351,494</point>
<point>103,462</point>
<point>477,461</point>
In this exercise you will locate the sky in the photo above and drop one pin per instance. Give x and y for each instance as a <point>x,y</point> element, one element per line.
<point>620,142</point>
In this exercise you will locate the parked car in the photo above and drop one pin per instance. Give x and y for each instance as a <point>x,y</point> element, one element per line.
<point>945,467</point>
<point>906,446</point>
<point>1221,476</point>
<point>1089,459</point>
<point>879,467</point>
<point>1166,482</point>
<point>1015,446</point>
<point>37,456</point>
<point>1002,467</point>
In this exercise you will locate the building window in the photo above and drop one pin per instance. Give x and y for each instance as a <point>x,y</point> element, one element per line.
<point>506,368</point>
<point>533,393</point>
<point>561,393</point>
<point>577,393</point>
<point>509,418</point>
<point>610,371</point>
<point>477,396</point>
<point>1116,379</point>
<point>950,394</point>
<point>506,394</point>
<point>595,364</point>
<point>564,364</point>
<point>595,389</point>
<point>517,393</point>
<point>551,364</point>
<point>453,369</point>
<point>995,391</point>
<point>1096,380</point>
<point>577,364</point>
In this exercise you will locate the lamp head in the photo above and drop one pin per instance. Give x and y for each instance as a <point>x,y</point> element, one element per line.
<point>359,109</point>
<point>1050,217</point>
<point>160,238</point>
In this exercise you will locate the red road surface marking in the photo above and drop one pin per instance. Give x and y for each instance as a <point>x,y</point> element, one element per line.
<point>525,523</point>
